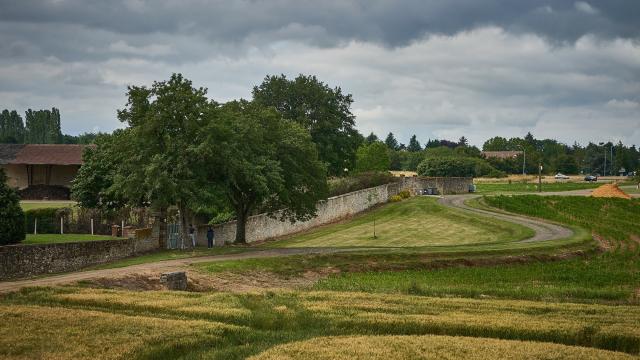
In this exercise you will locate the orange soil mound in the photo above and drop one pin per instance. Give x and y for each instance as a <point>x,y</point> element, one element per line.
<point>610,190</point>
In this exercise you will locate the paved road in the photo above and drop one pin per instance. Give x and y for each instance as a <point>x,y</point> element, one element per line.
<point>543,230</point>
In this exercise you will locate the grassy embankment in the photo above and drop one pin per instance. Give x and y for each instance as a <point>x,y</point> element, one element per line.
<point>613,276</point>
<point>522,187</point>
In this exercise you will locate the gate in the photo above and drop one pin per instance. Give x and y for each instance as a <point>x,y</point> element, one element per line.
<point>173,236</point>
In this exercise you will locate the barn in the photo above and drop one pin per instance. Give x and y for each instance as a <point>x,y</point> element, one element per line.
<point>41,171</point>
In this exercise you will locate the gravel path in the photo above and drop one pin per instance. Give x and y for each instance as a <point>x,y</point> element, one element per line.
<point>543,230</point>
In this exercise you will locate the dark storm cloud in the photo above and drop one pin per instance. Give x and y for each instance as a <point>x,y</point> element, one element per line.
<point>392,23</point>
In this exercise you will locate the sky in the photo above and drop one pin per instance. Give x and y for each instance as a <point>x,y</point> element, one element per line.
<point>440,69</point>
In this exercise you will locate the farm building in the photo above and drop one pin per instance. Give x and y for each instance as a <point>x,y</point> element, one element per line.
<point>41,170</point>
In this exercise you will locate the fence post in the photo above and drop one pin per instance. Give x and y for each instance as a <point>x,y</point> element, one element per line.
<point>61,225</point>
<point>122,229</point>
<point>91,226</point>
<point>35,226</point>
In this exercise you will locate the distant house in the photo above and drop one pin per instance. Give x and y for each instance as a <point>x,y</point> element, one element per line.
<point>41,170</point>
<point>501,154</point>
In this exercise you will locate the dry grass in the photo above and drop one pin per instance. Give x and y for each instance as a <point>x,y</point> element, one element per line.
<point>59,333</point>
<point>428,347</point>
<point>610,191</point>
<point>82,323</point>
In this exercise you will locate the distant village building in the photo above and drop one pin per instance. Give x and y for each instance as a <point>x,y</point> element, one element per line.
<point>41,170</point>
<point>501,154</point>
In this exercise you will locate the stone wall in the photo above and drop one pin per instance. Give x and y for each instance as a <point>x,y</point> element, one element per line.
<point>20,261</point>
<point>262,227</point>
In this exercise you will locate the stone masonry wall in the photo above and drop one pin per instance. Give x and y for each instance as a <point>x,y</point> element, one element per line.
<point>262,227</point>
<point>20,261</point>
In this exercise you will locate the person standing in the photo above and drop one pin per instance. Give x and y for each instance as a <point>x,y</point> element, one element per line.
<point>210,235</point>
<point>192,235</point>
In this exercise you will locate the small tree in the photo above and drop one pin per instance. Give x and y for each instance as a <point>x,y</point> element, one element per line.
<point>391,142</point>
<point>414,144</point>
<point>11,215</point>
<point>373,157</point>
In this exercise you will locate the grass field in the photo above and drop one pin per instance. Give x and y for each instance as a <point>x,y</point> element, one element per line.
<point>63,238</point>
<point>383,303</point>
<point>88,323</point>
<point>613,276</point>
<point>520,187</point>
<point>417,222</point>
<point>37,204</point>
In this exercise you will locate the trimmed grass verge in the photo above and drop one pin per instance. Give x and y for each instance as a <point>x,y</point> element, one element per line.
<point>63,238</point>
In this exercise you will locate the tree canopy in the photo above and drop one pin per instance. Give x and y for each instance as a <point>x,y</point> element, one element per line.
<point>373,157</point>
<point>414,144</point>
<point>324,111</point>
<point>391,142</point>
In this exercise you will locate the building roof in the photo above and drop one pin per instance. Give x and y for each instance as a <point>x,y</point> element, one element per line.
<point>41,154</point>
<point>501,154</point>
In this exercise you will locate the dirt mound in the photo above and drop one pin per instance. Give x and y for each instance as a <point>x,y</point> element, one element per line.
<point>610,191</point>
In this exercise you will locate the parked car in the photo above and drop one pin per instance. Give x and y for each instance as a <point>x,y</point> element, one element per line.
<point>591,178</point>
<point>561,177</point>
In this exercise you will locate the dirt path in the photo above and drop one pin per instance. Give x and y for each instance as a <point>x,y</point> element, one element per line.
<point>161,267</point>
<point>543,230</point>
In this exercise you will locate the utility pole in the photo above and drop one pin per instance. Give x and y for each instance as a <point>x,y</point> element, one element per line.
<point>539,177</point>
<point>524,159</point>
<point>611,161</point>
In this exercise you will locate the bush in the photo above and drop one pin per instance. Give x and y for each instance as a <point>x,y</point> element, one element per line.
<point>395,198</point>
<point>11,215</point>
<point>48,220</point>
<point>405,194</point>
<point>457,167</point>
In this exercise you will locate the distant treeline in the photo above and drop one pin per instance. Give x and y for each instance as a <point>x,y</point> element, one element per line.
<point>552,154</point>
<point>39,127</point>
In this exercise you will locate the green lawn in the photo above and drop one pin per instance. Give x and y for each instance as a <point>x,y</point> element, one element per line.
<point>613,276</point>
<point>63,238</point>
<point>37,204</point>
<point>417,222</point>
<point>519,187</point>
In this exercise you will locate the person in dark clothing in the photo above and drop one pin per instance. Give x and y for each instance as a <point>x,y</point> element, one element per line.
<point>192,235</point>
<point>210,236</point>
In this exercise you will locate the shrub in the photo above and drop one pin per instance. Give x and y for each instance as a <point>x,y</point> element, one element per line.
<point>11,215</point>
<point>48,220</point>
<point>457,167</point>
<point>405,194</point>
<point>395,198</point>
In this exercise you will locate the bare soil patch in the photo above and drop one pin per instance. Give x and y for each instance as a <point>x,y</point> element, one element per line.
<point>610,191</point>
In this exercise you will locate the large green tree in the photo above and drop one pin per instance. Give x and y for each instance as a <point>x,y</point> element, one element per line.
<point>391,142</point>
<point>11,127</point>
<point>163,121</point>
<point>373,157</point>
<point>42,127</point>
<point>11,215</point>
<point>324,111</point>
<point>262,162</point>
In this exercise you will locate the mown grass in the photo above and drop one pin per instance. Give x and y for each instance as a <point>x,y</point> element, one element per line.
<point>36,204</point>
<point>164,255</point>
<point>613,276</point>
<point>521,187</point>
<point>417,222</point>
<point>63,238</point>
<point>94,323</point>
<point>428,346</point>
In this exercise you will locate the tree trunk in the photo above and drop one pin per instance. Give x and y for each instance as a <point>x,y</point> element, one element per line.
<point>241,226</point>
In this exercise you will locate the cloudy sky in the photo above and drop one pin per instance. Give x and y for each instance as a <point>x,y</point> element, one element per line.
<point>437,68</point>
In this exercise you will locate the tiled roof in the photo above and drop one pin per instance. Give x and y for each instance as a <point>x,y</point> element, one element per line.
<point>41,154</point>
<point>501,154</point>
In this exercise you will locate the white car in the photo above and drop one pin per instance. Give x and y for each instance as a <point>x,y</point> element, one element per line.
<point>561,177</point>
